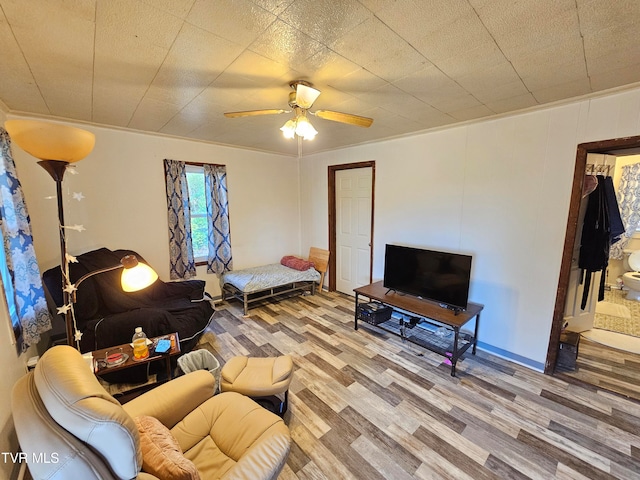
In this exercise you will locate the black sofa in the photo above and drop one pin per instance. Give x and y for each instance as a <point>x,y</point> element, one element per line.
<point>108,316</point>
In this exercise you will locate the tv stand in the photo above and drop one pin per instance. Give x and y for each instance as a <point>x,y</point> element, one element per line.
<point>431,313</point>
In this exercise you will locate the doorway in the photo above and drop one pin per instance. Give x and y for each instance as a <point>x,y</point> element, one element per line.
<point>351,207</point>
<point>600,363</point>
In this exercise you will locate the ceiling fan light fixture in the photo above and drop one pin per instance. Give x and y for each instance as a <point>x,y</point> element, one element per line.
<point>304,128</point>
<point>289,129</point>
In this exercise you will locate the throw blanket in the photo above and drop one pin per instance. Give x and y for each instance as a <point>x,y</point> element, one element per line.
<point>107,315</point>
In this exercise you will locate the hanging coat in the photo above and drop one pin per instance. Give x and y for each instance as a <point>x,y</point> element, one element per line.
<point>595,240</point>
<point>615,219</point>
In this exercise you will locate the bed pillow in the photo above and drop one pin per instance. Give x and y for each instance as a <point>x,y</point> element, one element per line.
<point>296,263</point>
<point>161,454</point>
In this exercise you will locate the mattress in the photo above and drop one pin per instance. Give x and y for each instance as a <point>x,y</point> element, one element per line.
<point>255,279</point>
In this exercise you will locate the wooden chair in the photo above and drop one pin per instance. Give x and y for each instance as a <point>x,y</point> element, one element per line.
<point>320,259</point>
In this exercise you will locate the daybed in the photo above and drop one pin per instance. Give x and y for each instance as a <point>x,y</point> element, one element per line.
<point>107,316</point>
<point>250,285</point>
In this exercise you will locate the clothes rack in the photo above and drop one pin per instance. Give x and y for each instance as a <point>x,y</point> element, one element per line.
<point>593,169</point>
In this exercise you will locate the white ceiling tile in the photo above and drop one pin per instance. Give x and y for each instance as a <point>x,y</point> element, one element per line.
<point>358,82</point>
<point>179,8</point>
<point>137,21</point>
<point>551,58</point>
<point>471,113</point>
<point>523,25</point>
<point>477,58</point>
<point>166,64</point>
<point>239,21</point>
<point>196,59</point>
<point>254,70</point>
<point>611,48</point>
<point>490,77</point>
<point>499,91</point>
<point>446,92</point>
<point>560,92</point>
<point>62,69</point>
<point>616,77</point>
<point>114,103</point>
<point>274,6</point>
<point>18,88</point>
<point>463,33</point>
<point>455,103</point>
<point>365,42</point>
<point>398,59</point>
<point>285,44</point>
<point>513,103</point>
<point>424,80</point>
<point>128,56</point>
<point>412,19</point>
<point>324,67</point>
<point>597,15</point>
<point>325,20</point>
<point>152,115</point>
<point>549,75</point>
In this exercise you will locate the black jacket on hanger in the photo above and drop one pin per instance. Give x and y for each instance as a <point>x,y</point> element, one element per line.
<point>595,240</point>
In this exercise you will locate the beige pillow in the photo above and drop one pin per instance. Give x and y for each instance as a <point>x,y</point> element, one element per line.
<point>161,453</point>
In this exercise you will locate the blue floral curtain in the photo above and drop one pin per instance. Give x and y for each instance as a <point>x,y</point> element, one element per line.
<point>629,203</point>
<point>219,259</point>
<point>182,262</point>
<point>21,279</point>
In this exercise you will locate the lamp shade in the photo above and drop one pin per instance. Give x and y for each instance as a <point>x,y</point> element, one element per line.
<point>138,277</point>
<point>51,141</point>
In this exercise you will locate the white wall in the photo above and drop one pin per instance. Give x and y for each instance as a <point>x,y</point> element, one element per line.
<point>497,189</point>
<point>123,183</point>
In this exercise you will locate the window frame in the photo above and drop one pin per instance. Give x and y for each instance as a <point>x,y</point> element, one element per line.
<point>197,167</point>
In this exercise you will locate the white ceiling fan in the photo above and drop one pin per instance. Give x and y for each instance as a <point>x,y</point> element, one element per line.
<point>300,100</point>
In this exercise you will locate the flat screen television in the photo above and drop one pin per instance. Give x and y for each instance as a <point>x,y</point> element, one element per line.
<point>437,276</point>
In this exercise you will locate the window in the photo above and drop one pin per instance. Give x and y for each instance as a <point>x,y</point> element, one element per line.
<point>198,207</point>
<point>198,214</point>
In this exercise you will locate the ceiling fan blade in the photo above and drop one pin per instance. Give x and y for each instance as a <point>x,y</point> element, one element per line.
<point>305,95</point>
<point>252,113</point>
<point>344,118</point>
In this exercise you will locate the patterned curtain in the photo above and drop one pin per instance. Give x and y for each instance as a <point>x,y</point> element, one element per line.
<point>219,259</point>
<point>182,263</point>
<point>23,287</point>
<point>629,203</point>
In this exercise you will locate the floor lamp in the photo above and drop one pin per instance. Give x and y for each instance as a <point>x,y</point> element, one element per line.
<point>57,146</point>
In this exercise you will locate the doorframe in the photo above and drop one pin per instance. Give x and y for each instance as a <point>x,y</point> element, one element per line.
<point>331,170</point>
<point>632,146</point>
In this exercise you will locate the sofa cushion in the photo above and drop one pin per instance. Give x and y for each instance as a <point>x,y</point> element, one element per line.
<point>161,454</point>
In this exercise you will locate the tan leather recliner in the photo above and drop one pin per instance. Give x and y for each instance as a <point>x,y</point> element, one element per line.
<point>62,414</point>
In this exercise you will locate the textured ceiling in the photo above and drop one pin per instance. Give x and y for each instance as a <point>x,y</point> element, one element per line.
<point>174,66</point>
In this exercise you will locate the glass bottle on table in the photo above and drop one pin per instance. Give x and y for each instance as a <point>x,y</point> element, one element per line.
<point>140,348</point>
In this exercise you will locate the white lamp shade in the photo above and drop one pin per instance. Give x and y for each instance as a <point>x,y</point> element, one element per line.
<point>51,141</point>
<point>304,129</point>
<point>138,277</point>
<point>289,129</point>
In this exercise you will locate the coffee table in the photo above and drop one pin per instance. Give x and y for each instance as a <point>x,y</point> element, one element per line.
<point>100,366</point>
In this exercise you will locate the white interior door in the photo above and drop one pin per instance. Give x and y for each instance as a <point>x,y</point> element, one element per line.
<point>353,228</point>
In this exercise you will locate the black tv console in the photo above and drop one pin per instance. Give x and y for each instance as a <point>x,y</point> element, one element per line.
<point>428,312</point>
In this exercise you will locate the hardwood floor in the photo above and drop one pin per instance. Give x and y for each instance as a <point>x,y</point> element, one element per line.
<point>364,405</point>
<point>608,368</point>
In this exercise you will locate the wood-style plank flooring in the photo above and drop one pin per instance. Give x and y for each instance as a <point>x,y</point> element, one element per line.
<point>363,405</point>
<point>608,368</point>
